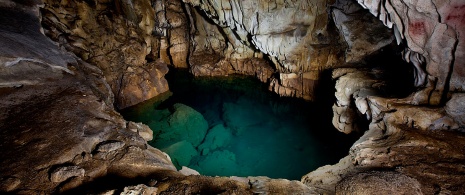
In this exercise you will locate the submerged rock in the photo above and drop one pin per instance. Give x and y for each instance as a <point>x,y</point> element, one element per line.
<point>219,162</point>
<point>244,113</point>
<point>217,137</point>
<point>183,123</point>
<point>181,153</point>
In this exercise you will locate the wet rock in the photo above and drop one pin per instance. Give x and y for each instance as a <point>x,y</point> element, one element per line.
<point>177,43</point>
<point>61,174</point>
<point>284,40</point>
<point>301,85</point>
<point>394,113</point>
<point>69,107</point>
<point>395,148</point>
<point>69,110</point>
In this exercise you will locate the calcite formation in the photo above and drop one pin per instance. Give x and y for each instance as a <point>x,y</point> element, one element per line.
<point>291,42</point>
<point>296,37</point>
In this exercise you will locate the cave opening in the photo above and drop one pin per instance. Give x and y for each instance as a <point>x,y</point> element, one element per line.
<point>234,126</point>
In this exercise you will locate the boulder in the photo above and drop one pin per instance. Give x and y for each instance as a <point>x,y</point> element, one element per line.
<point>217,137</point>
<point>219,162</point>
<point>181,153</point>
<point>244,113</point>
<point>182,124</point>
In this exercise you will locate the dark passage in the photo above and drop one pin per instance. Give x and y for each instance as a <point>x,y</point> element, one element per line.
<point>233,125</point>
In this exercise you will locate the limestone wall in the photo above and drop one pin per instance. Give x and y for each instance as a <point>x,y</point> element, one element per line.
<point>434,32</point>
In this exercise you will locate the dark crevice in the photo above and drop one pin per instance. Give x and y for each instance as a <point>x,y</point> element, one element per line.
<point>444,96</point>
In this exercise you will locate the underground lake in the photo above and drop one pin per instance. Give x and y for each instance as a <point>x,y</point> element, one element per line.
<point>234,126</point>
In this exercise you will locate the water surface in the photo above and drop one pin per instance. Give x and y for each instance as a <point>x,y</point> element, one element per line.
<point>233,125</point>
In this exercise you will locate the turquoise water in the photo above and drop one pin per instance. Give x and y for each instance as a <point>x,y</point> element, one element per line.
<point>233,125</point>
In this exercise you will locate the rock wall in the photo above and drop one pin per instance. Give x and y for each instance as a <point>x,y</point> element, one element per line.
<point>434,33</point>
<point>284,32</point>
<point>58,126</point>
<point>420,145</point>
<point>217,51</point>
<point>285,44</point>
<point>298,38</point>
<point>117,38</point>
<point>406,139</point>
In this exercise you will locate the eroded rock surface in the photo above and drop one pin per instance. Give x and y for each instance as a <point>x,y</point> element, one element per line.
<point>299,39</point>
<point>57,116</point>
<point>115,36</point>
<point>379,183</point>
<point>292,42</point>
<point>362,33</point>
<point>435,30</point>
<point>422,145</point>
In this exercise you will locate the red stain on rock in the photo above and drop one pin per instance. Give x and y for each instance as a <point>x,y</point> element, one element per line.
<point>417,28</point>
<point>456,16</point>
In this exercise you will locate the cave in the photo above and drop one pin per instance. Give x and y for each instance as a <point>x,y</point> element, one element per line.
<point>232,97</point>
